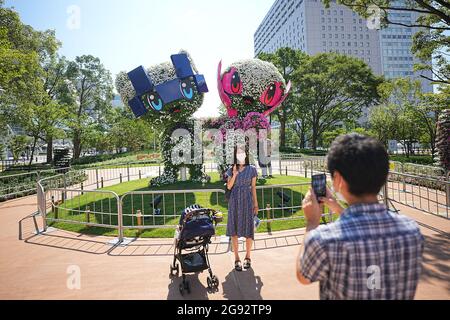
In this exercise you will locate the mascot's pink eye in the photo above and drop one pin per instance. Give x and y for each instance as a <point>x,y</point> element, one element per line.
<point>236,83</point>
<point>232,83</point>
<point>272,95</point>
<point>268,98</point>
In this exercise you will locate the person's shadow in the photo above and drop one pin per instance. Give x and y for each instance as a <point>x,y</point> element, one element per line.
<point>242,285</point>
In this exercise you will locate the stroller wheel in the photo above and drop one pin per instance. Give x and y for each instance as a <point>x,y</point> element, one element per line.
<point>181,288</point>
<point>187,287</point>
<point>174,271</point>
<point>215,282</point>
<point>209,282</point>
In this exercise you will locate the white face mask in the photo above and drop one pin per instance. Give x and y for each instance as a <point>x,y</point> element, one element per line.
<point>241,158</point>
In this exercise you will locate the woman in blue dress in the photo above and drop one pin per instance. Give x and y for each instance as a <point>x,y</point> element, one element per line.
<point>242,206</point>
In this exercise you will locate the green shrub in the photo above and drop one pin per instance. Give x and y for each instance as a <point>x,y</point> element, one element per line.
<point>25,185</point>
<point>423,160</point>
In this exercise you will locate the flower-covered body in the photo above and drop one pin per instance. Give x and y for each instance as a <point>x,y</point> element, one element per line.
<point>167,95</point>
<point>250,90</point>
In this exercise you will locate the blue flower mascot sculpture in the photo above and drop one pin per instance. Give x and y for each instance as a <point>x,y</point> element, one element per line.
<point>167,95</point>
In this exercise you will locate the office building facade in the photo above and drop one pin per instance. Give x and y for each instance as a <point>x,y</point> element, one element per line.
<point>308,26</point>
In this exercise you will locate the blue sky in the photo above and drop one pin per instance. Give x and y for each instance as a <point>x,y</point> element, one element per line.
<point>127,33</point>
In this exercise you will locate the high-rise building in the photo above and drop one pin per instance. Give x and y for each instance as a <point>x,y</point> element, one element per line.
<point>395,46</point>
<point>308,26</point>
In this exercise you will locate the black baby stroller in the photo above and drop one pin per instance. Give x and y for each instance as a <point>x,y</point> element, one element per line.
<point>196,227</point>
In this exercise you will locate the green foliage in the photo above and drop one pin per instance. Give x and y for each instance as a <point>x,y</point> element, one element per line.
<point>330,136</point>
<point>286,60</point>
<point>92,87</point>
<point>17,145</point>
<point>2,150</point>
<point>288,149</point>
<point>423,160</point>
<point>133,134</point>
<point>31,77</point>
<point>406,114</point>
<point>332,88</point>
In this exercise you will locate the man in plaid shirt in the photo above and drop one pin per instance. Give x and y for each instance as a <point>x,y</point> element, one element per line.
<point>369,252</point>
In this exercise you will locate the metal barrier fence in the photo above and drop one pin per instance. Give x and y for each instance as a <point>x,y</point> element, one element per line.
<point>163,208</point>
<point>431,195</point>
<point>142,210</point>
<point>428,190</point>
<point>303,167</point>
<point>62,198</point>
<point>23,184</point>
<point>417,169</point>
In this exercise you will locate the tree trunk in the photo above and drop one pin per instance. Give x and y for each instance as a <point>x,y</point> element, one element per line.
<point>282,132</point>
<point>32,152</point>
<point>49,149</point>
<point>76,146</point>
<point>314,137</point>
<point>302,140</point>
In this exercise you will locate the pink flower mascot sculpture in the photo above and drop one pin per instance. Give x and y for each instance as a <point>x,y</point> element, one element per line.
<point>250,91</point>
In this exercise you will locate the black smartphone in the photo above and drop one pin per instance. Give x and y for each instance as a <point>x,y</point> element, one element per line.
<point>319,185</point>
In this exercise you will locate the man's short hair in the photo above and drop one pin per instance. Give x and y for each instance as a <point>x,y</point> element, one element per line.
<point>362,161</point>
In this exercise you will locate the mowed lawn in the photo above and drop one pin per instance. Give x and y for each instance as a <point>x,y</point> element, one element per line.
<point>284,201</point>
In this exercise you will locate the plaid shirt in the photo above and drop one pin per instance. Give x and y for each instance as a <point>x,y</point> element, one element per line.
<point>369,253</point>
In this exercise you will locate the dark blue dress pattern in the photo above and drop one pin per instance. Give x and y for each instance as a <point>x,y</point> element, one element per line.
<point>240,206</point>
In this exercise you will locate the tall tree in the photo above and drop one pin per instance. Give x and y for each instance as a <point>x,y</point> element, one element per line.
<point>406,114</point>
<point>92,90</point>
<point>19,59</point>
<point>58,98</point>
<point>429,110</point>
<point>27,98</point>
<point>333,88</point>
<point>287,61</point>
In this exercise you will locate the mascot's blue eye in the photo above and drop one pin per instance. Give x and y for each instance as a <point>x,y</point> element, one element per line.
<point>158,106</point>
<point>187,89</point>
<point>153,101</point>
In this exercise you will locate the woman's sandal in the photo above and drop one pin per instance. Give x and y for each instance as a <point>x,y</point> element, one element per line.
<point>237,265</point>
<point>247,263</point>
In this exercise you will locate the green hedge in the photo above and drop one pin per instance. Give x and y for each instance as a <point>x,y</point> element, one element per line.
<point>308,152</point>
<point>423,160</point>
<point>99,158</point>
<point>25,185</point>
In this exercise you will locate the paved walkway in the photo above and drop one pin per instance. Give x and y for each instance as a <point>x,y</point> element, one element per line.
<point>37,266</point>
